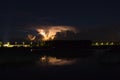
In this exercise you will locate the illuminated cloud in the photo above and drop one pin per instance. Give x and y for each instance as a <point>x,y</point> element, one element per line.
<point>31,37</point>
<point>49,32</point>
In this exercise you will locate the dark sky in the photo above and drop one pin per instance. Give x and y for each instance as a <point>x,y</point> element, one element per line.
<point>96,20</point>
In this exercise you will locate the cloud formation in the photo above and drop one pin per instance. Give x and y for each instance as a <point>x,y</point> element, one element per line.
<point>50,32</point>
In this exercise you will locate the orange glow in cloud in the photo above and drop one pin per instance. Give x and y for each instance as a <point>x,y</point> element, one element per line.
<point>31,37</point>
<point>49,32</point>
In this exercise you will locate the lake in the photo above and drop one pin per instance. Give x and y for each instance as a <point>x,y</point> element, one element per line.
<point>41,65</point>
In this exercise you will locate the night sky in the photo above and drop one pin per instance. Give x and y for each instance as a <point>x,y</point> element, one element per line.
<point>96,20</point>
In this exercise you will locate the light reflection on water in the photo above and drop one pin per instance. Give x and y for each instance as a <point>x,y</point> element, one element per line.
<point>54,61</point>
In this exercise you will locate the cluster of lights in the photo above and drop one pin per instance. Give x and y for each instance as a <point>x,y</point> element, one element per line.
<point>31,44</point>
<point>103,44</point>
<point>23,44</point>
<point>14,45</point>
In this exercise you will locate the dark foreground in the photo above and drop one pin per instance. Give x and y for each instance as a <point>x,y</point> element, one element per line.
<point>58,64</point>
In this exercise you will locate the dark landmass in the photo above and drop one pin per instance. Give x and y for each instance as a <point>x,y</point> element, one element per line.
<point>69,49</point>
<point>73,48</point>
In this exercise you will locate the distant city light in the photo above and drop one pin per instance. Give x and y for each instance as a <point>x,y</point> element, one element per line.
<point>47,44</point>
<point>104,43</point>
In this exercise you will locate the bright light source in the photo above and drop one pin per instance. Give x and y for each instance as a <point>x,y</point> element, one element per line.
<point>49,32</point>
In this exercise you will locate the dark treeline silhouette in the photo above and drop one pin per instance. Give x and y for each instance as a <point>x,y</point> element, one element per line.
<point>70,43</point>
